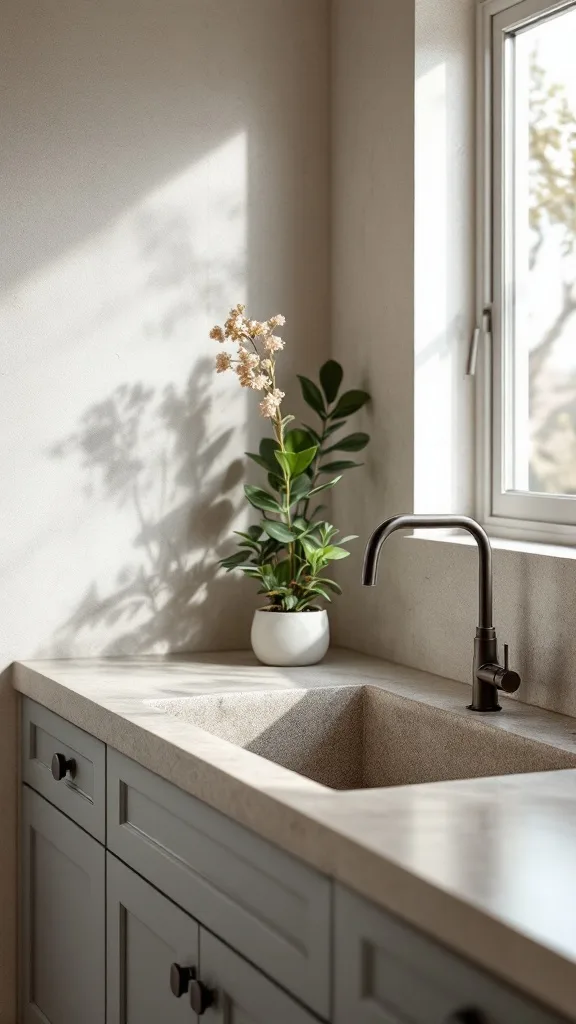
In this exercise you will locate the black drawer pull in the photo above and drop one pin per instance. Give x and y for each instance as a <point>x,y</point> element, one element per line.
<point>200,997</point>
<point>62,766</point>
<point>180,979</point>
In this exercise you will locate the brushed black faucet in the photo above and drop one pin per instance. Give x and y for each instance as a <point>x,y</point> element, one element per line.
<point>488,675</point>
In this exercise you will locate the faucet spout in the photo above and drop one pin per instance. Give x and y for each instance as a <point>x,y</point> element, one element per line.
<point>403,522</point>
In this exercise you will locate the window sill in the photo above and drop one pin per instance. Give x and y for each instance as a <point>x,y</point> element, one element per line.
<point>524,547</point>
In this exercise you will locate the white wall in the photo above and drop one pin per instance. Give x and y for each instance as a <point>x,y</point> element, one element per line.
<point>160,161</point>
<point>405,71</point>
<point>373,294</point>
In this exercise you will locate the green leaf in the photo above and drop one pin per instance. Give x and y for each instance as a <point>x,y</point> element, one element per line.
<point>275,482</point>
<point>279,531</point>
<point>332,428</point>
<point>313,433</point>
<point>312,395</point>
<point>232,561</point>
<point>268,576</point>
<point>298,440</point>
<point>283,571</point>
<point>258,460</point>
<point>350,402</point>
<point>269,549</point>
<point>252,545</point>
<point>302,525</point>
<point>250,537</point>
<point>253,534</point>
<point>351,536</point>
<point>267,447</point>
<point>351,443</point>
<point>331,375</point>
<point>326,531</point>
<point>295,463</point>
<point>338,465</point>
<point>261,499</point>
<point>317,588</point>
<point>311,548</point>
<point>334,553</point>
<point>324,487</point>
<point>300,488</point>
<point>332,585</point>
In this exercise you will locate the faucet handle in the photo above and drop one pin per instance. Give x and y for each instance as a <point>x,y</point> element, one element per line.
<point>500,676</point>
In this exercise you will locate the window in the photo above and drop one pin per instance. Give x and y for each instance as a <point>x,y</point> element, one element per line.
<point>527,269</point>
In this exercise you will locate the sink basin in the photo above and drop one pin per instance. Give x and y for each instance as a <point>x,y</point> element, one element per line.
<point>362,737</point>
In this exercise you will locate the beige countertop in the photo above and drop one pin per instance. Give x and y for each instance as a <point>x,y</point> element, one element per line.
<point>487,866</point>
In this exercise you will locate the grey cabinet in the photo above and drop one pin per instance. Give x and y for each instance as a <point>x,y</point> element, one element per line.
<point>270,907</point>
<point>240,993</point>
<point>255,935</point>
<point>63,918</point>
<point>146,934</point>
<point>387,973</point>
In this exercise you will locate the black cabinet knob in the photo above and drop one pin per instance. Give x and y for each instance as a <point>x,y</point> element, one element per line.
<point>200,997</point>
<point>62,766</point>
<point>180,979</point>
<point>467,1016</point>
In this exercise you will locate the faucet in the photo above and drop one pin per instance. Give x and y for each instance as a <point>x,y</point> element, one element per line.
<point>488,675</point>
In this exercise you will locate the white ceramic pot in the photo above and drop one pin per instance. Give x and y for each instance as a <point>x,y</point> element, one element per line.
<point>290,638</point>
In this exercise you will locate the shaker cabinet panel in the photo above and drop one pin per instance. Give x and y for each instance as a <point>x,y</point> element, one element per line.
<point>387,973</point>
<point>270,907</point>
<point>79,788</point>
<point>63,918</point>
<point>152,946</point>
<point>239,993</point>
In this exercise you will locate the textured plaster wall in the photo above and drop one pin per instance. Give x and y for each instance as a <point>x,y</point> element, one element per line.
<point>403,76</point>
<point>159,162</point>
<point>373,295</point>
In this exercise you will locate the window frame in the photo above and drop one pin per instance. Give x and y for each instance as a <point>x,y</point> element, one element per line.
<point>514,514</point>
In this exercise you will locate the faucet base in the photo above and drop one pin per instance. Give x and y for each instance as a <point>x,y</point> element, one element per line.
<point>484,711</point>
<point>484,694</point>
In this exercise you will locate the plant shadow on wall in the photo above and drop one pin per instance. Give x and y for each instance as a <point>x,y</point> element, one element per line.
<point>148,452</point>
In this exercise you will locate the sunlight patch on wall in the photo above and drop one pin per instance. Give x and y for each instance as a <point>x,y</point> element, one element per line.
<point>120,445</point>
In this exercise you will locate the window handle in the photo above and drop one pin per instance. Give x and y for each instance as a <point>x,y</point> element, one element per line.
<point>486,331</point>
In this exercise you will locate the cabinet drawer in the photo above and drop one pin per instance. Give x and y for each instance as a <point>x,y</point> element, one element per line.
<point>386,973</point>
<point>267,905</point>
<point>81,794</point>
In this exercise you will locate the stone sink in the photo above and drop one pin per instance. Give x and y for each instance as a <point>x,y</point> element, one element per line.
<point>363,737</point>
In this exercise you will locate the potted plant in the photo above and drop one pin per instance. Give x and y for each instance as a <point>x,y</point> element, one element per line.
<point>290,550</point>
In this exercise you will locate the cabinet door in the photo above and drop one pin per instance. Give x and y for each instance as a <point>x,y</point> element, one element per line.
<point>241,994</point>
<point>146,934</point>
<point>63,918</point>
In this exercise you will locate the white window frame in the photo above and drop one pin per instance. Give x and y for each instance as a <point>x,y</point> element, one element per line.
<point>515,514</point>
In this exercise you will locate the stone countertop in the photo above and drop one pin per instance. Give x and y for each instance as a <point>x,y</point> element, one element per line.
<point>487,866</point>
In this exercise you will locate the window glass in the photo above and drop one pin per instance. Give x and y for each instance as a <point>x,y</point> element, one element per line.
<point>540,193</point>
